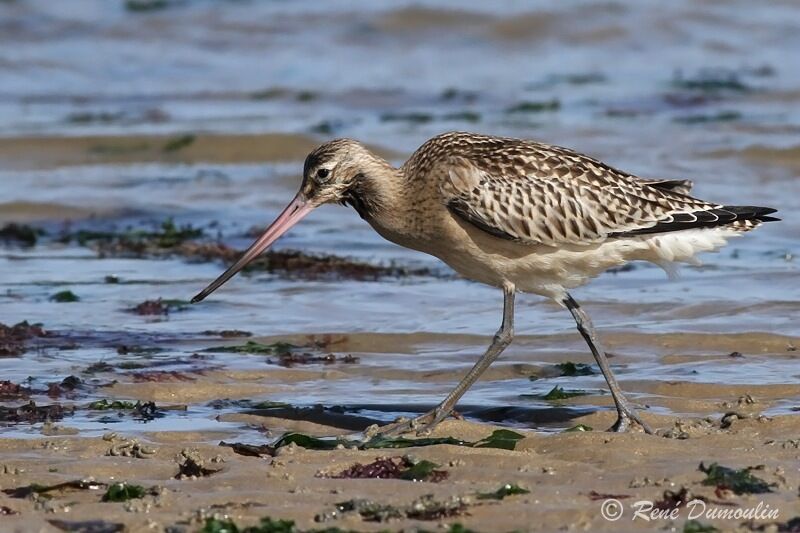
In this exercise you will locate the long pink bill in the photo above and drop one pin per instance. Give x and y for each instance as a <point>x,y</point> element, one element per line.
<point>294,212</point>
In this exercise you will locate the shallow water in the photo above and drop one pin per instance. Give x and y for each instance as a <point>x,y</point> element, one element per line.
<point>706,90</point>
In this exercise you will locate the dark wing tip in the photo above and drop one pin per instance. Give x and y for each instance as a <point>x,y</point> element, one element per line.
<point>709,218</point>
<point>750,212</point>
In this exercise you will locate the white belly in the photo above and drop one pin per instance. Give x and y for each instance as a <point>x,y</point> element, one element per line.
<point>551,271</point>
<point>546,270</point>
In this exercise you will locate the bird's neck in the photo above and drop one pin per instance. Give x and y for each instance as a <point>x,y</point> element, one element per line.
<point>376,189</point>
<point>392,205</point>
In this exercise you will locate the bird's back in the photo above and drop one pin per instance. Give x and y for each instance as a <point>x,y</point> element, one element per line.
<point>547,198</point>
<point>544,194</point>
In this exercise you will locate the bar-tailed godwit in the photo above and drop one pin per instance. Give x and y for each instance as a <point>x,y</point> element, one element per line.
<point>514,214</point>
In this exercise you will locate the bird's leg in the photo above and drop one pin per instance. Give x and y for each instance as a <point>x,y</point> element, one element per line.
<point>426,422</point>
<point>625,410</point>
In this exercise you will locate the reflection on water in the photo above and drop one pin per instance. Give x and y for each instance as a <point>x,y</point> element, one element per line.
<point>703,90</point>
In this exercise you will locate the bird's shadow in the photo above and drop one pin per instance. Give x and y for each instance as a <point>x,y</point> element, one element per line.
<point>357,417</point>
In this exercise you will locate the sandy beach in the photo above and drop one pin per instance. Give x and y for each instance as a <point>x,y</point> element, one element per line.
<point>563,477</point>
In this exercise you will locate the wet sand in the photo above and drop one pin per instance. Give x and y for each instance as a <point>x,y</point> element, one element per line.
<point>569,474</point>
<point>52,152</point>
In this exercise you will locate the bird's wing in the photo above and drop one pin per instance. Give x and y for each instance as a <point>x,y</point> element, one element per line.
<point>543,194</point>
<point>679,186</point>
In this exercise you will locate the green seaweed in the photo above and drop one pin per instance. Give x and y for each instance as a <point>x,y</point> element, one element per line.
<point>168,235</point>
<point>509,489</point>
<point>449,93</point>
<point>117,405</point>
<point>793,524</point>
<point>122,492</point>
<point>124,349</point>
<point>458,528</point>
<point>570,369</point>
<point>83,237</point>
<point>139,6</point>
<point>453,93</point>
<point>138,410</point>
<point>87,526</point>
<point>369,511</point>
<point>535,107</point>
<point>266,525</point>
<point>325,127</point>
<point>414,117</point>
<point>558,393</point>
<point>423,508</point>
<point>271,405</point>
<point>89,117</point>
<point>693,526</point>
<point>739,481</point>
<point>178,143</point>
<point>503,439</point>
<point>172,235</point>
<point>175,304</point>
<point>466,116</point>
<point>309,442</point>
<point>21,233</point>
<point>402,442</point>
<point>422,471</point>
<point>218,525</point>
<point>252,347</point>
<point>454,528</point>
<point>64,297</point>
<point>581,78</point>
<point>99,366</point>
<point>426,507</point>
<point>578,428</point>
<point>722,116</point>
<point>268,94</point>
<point>306,96</point>
<point>711,81</point>
<point>132,365</point>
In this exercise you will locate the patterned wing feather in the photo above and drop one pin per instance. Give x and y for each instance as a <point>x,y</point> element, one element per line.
<point>679,186</point>
<point>542,194</point>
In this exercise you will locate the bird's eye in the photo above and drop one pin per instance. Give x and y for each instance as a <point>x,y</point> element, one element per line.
<point>323,173</point>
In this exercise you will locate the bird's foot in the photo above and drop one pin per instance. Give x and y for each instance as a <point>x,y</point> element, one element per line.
<point>423,425</point>
<point>627,414</point>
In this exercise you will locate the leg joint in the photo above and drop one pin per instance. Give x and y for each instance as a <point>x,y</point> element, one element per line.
<point>504,336</point>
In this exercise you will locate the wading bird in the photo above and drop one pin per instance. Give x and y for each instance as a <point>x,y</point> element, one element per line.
<point>514,214</point>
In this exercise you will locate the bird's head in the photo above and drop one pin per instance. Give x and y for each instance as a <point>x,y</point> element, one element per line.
<point>332,171</point>
<point>336,172</point>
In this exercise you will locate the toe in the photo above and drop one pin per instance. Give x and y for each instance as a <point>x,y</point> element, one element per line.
<point>620,426</point>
